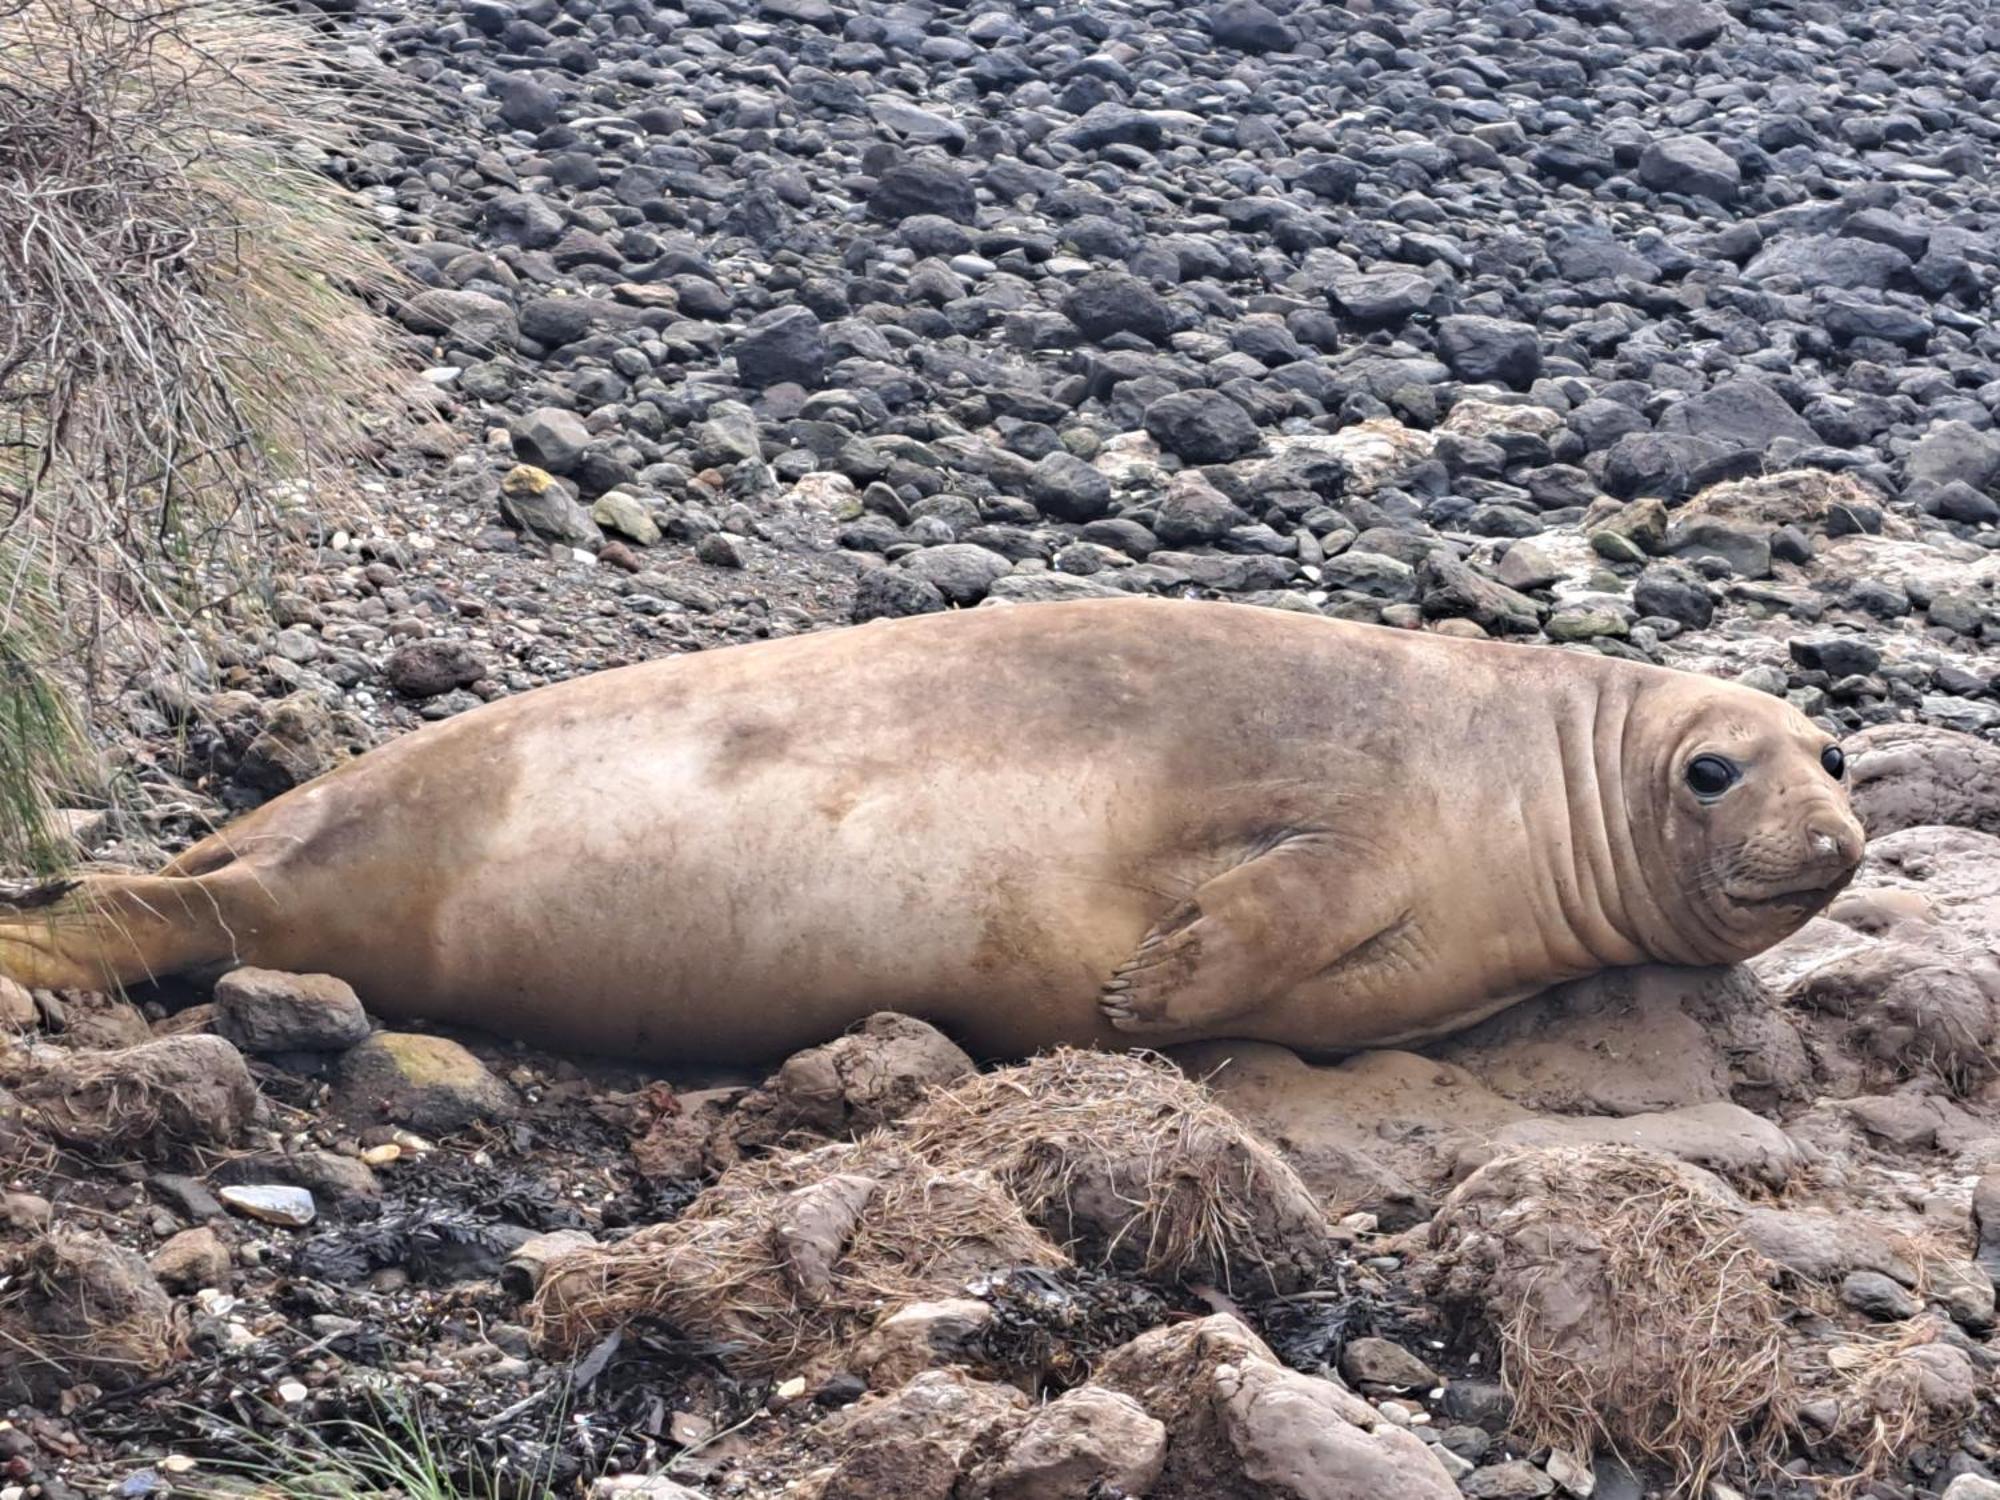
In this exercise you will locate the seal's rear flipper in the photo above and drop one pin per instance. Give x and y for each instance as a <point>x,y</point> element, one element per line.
<point>105,931</point>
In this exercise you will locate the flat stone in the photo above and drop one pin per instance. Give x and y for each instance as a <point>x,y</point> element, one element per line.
<point>1517,1479</point>
<point>1878,1296</point>
<point>271,1203</point>
<point>1373,1361</point>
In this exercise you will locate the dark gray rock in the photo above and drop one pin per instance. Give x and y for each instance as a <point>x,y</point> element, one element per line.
<point>526,220</point>
<point>1837,655</point>
<point>525,103</point>
<point>1201,427</point>
<point>1955,452</point>
<point>961,572</point>
<point>429,669</point>
<point>1889,228</point>
<point>786,344</point>
<point>924,186</point>
<point>428,1083</point>
<point>1820,261</point>
<point>1490,350</point>
<point>1373,1361</point>
<point>723,549</point>
<point>469,320</point>
<point>1744,414</point>
<point>1372,574</point>
<point>889,593</point>
<point>1673,592</point>
<point>1251,27</point>
<point>550,438</point>
<point>1683,25</point>
<point>1064,486</point>
<point>1478,1403</point>
<point>1690,165</point>
<point>1746,550</point>
<point>262,1010</point>
<point>1381,297</point>
<point>1108,302</point>
<point>1877,1296</point>
<point>1452,590</point>
<point>533,500</point>
<point>1193,515</point>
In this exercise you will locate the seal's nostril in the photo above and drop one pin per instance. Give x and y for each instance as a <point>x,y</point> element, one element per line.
<point>1835,841</point>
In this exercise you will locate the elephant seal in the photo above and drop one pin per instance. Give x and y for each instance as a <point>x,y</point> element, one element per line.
<point>1093,823</point>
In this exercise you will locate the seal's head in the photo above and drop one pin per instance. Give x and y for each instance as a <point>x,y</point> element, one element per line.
<point>1751,832</point>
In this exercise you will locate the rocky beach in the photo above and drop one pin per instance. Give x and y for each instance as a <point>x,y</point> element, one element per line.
<point>1660,329</point>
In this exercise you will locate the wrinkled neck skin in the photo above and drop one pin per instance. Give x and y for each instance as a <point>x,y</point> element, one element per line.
<point>1625,893</point>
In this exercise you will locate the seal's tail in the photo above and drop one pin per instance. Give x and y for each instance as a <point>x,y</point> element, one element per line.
<point>105,931</point>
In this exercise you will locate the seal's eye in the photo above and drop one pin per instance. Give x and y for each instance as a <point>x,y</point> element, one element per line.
<point>1834,761</point>
<point>1711,775</point>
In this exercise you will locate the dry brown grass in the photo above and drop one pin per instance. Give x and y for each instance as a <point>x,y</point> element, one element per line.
<point>1631,1315</point>
<point>1889,1397</point>
<point>158,1098</point>
<point>1629,1312</point>
<point>1121,1159</point>
<point>76,1307</point>
<point>1130,1163</point>
<point>185,334</point>
<point>763,1265</point>
<point>180,280</point>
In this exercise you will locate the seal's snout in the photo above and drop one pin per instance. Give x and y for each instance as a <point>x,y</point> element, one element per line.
<point>1835,841</point>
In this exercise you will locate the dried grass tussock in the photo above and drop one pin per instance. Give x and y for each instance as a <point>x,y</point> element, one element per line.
<point>1895,1390</point>
<point>787,1258</point>
<point>77,1307</point>
<point>157,1098</point>
<point>179,279</point>
<point>1130,1163</point>
<point>1629,1312</point>
<point>188,334</point>
<point>1113,1159</point>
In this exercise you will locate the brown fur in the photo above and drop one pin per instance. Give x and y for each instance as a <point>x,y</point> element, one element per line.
<point>1025,824</point>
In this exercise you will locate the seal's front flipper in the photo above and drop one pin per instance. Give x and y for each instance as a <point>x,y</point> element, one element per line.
<point>1241,940</point>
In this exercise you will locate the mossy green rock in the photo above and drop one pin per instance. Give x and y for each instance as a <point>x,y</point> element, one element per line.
<point>627,516</point>
<point>428,1083</point>
<point>1584,623</point>
<point>1631,532</point>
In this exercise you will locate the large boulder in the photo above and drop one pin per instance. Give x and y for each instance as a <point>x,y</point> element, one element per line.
<point>1108,302</point>
<point>1681,25</point>
<point>550,438</point>
<point>1741,414</point>
<point>1905,775</point>
<point>786,344</point>
<point>534,501</point>
<point>1202,427</point>
<point>1250,26</point>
